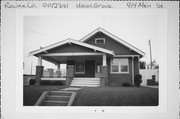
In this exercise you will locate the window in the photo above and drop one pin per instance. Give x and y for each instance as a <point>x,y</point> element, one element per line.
<point>120,65</point>
<point>100,41</point>
<point>79,67</point>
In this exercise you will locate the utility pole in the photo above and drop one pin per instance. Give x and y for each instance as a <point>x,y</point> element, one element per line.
<point>150,54</point>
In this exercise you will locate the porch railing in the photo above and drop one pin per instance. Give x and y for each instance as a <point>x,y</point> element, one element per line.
<point>54,73</point>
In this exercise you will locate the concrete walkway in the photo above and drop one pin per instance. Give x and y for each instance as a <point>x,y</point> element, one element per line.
<point>71,89</point>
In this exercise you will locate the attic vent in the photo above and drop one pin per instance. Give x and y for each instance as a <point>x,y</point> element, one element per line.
<point>99,40</point>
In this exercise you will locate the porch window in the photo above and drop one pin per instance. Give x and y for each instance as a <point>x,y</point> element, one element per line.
<point>120,65</point>
<point>80,67</point>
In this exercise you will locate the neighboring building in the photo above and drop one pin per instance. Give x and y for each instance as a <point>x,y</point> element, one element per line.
<point>98,54</point>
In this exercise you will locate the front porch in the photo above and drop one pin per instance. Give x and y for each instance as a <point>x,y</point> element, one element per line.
<point>78,65</point>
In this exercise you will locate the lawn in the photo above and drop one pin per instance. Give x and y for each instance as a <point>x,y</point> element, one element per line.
<point>106,96</point>
<point>32,93</point>
<point>117,96</point>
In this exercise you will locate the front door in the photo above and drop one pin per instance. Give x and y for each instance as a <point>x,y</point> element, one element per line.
<point>90,68</point>
<point>85,68</point>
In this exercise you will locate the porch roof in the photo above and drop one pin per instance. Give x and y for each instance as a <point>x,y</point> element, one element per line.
<point>69,41</point>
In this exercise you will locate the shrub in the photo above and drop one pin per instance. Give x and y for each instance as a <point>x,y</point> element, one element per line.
<point>137,80</point>
<point>126,84</point>
<point>51,82</point>
<point>32,82</point>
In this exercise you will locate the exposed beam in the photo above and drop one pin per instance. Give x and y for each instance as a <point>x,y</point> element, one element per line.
<point>126,55</point>
<point>49,59</point>
<point>73,54</point>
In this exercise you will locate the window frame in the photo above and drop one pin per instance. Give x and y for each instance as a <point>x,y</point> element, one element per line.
<point>99,39</point>
<point>119,66</point>
<point>76,67</point>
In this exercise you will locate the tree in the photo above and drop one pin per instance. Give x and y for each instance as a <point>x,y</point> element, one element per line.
<point>154,65</point>
<point>142,65</point>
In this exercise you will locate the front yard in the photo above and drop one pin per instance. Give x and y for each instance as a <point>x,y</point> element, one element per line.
<point>32,93</point>
<point>106,96</point>
<point>117,96</point>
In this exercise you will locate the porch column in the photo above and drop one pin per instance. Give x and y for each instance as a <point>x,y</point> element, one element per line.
<point>104,76</point>
<point>104,60</point>
<point>132,70</point>
<point>69,75</point>
<point>39,71</point>
<point>39,61</point>
<point>58,66</point>
<point>58,70</point>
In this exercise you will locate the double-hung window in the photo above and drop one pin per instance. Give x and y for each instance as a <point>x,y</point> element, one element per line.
<point>80,67</point>
<point>120,65</point>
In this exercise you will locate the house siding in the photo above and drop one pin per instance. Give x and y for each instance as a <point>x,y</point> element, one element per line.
<point>111,44</point>
<point>70,48</point>
<point>119,79</point>
<point>136,65</point>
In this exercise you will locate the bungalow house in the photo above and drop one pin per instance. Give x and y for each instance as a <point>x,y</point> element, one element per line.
<point>98,59</point>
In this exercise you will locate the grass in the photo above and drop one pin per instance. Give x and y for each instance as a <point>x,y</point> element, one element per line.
<point>106,96</point>
<point>117,96</point>
<point>32,93</point>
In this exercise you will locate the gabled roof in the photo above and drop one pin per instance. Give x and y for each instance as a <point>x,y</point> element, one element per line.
<point>71,41</point>
<point>113,37</point>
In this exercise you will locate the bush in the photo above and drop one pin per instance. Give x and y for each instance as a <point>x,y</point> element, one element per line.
<point>51,82</point>
<point>137,80</point>
<point>32,82</point>
<point>126,84</point>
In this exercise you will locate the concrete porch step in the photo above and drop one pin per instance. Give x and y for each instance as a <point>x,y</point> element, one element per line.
<point>60,93</point>
<point>86,78</point>
<point>85,85</point>
<point>54,103</point>
<point>58,98</point>
<point>85,81</point>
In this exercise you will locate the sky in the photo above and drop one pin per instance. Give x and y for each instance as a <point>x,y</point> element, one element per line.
<point>134,26</point>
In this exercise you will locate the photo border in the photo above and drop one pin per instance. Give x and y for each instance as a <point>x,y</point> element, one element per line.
<point>171,56</point>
